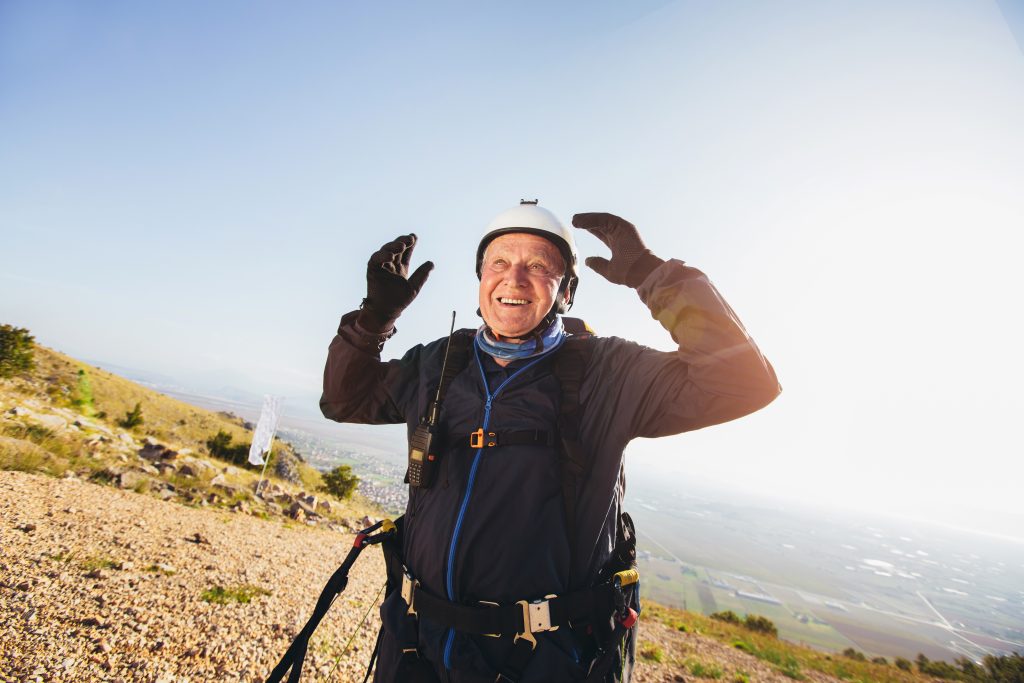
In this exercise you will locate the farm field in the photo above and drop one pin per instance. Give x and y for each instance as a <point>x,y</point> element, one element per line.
<point>885,587</point>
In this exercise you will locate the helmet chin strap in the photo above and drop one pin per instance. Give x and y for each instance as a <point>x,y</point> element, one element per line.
<point>551,314</point>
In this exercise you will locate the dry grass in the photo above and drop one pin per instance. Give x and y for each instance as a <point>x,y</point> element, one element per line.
<point>105,398</point>
<point>166,419</point>
<point>789,659</point>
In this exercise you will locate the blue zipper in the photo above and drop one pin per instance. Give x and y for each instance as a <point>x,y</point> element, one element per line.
<point>449,585</point>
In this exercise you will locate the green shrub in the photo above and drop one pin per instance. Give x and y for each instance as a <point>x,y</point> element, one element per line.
<point>756,622</point>
<point>340,482</point>
<point>133,418</point>
<point>856,655</point>
<point>652,653</point>
<point>791,669</point>
<point>243,594</point>
<point>16,351</point>
<point>1007,669</point>
<point>97,562</point>
<point>220,446</point>
<point>903,664</point>
<point>880,660</point>
<point>937,669</point>
<point>701,670</point>
<point>743,646</point>
<point>728,617</point>
<point>82,396</point>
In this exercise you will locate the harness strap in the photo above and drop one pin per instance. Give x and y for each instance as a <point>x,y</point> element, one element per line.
<point>571,610</point>
<point>569,367</point>
<point>515,666</point>
<point>458,358</point>
<point>296,654</point>
<point>526,437</point>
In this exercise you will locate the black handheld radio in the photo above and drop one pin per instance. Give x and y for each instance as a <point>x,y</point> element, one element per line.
<point>423,462</point>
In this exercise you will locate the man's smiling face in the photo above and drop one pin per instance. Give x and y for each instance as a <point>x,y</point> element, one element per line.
<point>519,281</point>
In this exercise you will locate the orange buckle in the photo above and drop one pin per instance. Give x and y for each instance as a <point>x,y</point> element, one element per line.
<point>476,439</point>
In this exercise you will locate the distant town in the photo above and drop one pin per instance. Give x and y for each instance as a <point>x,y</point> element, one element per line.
<point>380,477</point>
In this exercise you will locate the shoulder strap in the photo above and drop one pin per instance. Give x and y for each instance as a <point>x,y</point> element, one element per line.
<point>577,327</point>
<point>458,359</point>
<point>569,366</point>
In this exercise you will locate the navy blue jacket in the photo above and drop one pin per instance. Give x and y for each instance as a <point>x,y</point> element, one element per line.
<point>492,526</point>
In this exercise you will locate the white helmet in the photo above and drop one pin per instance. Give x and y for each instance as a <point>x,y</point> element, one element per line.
<point>530,218</point>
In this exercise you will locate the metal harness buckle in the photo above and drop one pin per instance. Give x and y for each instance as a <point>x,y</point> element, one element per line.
<point>536,619</point>
<point>409,586</point>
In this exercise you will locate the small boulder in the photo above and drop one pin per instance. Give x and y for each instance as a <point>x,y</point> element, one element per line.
<point>198,539</point>
<point>296,512</point>
<point>224,485</point>
<point>131,479</point>
<point>52,422</point>
<point>154,452</point>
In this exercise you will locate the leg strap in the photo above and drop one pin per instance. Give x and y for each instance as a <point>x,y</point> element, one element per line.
<point>296,654</point>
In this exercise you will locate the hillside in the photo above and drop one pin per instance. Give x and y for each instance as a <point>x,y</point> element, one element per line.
<point>65,418</point>
<point>132,554</point>
<point>101,584</point>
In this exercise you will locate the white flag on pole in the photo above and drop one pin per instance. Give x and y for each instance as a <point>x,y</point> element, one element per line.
<point>265,429</point>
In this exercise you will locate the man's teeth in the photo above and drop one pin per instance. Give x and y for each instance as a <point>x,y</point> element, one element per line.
<point>505,300</point>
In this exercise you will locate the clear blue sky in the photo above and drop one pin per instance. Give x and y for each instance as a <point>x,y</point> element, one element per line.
<point>193,189</point>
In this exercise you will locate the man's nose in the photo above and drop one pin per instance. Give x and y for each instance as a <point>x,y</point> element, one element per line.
<point>517,275</point>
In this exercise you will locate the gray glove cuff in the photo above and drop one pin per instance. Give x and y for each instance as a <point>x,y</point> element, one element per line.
<point>644,265</point>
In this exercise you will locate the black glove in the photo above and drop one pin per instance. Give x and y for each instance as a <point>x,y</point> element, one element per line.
<point>388,290</point>
<point>631,260</point>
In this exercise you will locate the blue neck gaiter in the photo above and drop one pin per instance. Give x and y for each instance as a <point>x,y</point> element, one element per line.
<point>550,339</point>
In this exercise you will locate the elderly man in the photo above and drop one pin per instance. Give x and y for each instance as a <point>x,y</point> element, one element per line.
<point>516,561</point>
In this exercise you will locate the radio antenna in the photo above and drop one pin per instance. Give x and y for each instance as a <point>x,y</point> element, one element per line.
<point>444,366</point>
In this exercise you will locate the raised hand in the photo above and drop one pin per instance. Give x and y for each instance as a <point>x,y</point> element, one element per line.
<point>631,260</point>
<point>389,287</point>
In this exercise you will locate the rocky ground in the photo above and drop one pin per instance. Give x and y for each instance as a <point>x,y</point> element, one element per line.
<point>104,584</point>
<point>101,584</point>
<point>95,450</point>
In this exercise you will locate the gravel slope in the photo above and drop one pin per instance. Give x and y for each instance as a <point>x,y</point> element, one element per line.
<point>102,584</point>
<point>65,620</point>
